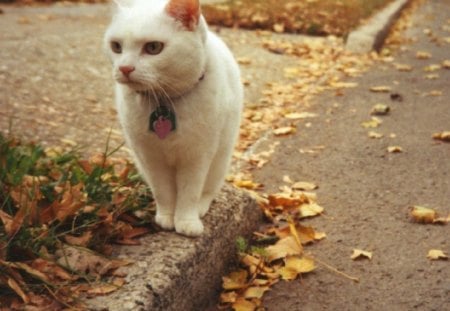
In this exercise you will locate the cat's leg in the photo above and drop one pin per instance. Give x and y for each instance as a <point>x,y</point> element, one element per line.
<point>214,180</point>
<point>190,180</point>
<point>163,186</point>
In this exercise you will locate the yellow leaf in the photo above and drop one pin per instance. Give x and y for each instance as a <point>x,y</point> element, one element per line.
<point>287,274</point>
<point>310,210</point>
<point>359,254</point>
<point>244,61</point>
<point>300,265</point>
<point>284,130</point>
<point>436,254</point>
<point>380,89</point>
<point>285,247</point>
<point>403,67</point>
<point>235,280</point>
<point>446,64</point>
<point>247,184</point>
<point>300,115</point>
<point>229,297</point>
<point>423,55</point>
<point>394,149</point>
<point>432,67</point>
<point>373,123</point>
<point>444,136</point>
<point>242,304</point>
<point>423,214</point>
<point>375,135</point>
<point>303,185</point>
<point>256,291</point>
<point>380,109</point>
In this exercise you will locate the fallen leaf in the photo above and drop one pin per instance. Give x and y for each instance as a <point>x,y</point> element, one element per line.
<point>303,185</point>
<point>436,254</point>
<point>244,60</point>
<point>228,297</point>
<point>359,254</point>
<point>423,214</point>
<point>373,123</point>
<point>300,115</point>
<point>242,304</point>
<point>423,55</point>
<point>286,130</point>
<point>18,290</point>
<point>235,280</point>
<point>380,110</point>
<point>394,149</point>
<point>375,135</point>
<point>403,67</point>
<point>432,67</point>
<point>444,136</point>
<point>256,292</point>
<point>310,210</point>
<point>435,93</point>
<point>380,89</point>
<point>300,265</point>
<point>446,64</point>
<point>284,247</point>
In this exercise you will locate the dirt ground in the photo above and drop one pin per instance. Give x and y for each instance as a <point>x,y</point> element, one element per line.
<point>56,87</point>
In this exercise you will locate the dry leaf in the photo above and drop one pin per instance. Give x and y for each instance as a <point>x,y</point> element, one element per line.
<point>18,290</point>
<point>444,136</point>
<point>446,64</point>
<point>256,292</point>
<point>286,130</point>
<point>303,185</point>
<point>228,297</point>
<point>242,304</point>
<point>423,214</point>
<point>403,67</point>
<point>394,149</point>
<point>284,247</point>
<point>373,123</point>
<point>235,280</point>
<point>380,89</point>
<point>375,135</point>
<point>359,254</point>
<point>432,67</point>
<point>423,55</point>
<point>310,210</point>
<point>380,110</point>
<point>436,254</point>
<point>299,115</point>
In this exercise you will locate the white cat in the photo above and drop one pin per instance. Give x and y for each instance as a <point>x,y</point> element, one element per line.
<point>179,99</point>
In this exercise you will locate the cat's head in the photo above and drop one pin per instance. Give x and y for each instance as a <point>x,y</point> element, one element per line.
<point>157,45</point>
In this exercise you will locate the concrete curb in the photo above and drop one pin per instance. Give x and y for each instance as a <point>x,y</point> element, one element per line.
<point>174,273</point>
<point>371,35</point>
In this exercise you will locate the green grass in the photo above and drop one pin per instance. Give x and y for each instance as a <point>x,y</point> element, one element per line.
<point>51,199</point>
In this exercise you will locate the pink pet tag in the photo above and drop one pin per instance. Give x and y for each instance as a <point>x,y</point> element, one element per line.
<point>162,121</point>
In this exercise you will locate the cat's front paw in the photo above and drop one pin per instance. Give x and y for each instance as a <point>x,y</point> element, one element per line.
<point>190,227</point>
<point>165,221</point>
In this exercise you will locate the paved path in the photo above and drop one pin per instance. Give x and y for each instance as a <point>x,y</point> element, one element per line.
<point>367,191</point>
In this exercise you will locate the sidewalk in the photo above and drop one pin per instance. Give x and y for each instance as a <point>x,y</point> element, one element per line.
<point>367,191</point>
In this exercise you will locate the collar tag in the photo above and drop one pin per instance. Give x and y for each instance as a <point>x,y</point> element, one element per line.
<point>162,121</point>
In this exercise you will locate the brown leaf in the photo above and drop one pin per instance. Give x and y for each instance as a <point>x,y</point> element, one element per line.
<point>443,136</point>
<point>18,290</point>
<point>380,89</point>
<point>82,240</point>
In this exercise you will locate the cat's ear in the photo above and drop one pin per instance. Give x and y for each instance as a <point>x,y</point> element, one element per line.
<point>185,11</point>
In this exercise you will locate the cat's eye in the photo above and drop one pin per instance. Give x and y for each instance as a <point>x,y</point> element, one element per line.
<point>153,47</point>
<point>116,47</point>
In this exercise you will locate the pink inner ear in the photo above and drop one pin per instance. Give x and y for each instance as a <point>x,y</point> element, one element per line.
<point>186,11</point>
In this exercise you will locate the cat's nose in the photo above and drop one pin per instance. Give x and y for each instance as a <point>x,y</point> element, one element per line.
<point>126,70</point>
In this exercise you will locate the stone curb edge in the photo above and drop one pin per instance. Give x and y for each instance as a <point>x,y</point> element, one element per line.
<point>371,35</point>
<point>172,272</point>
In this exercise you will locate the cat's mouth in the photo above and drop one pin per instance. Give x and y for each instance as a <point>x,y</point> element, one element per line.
<point>134,85</point>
